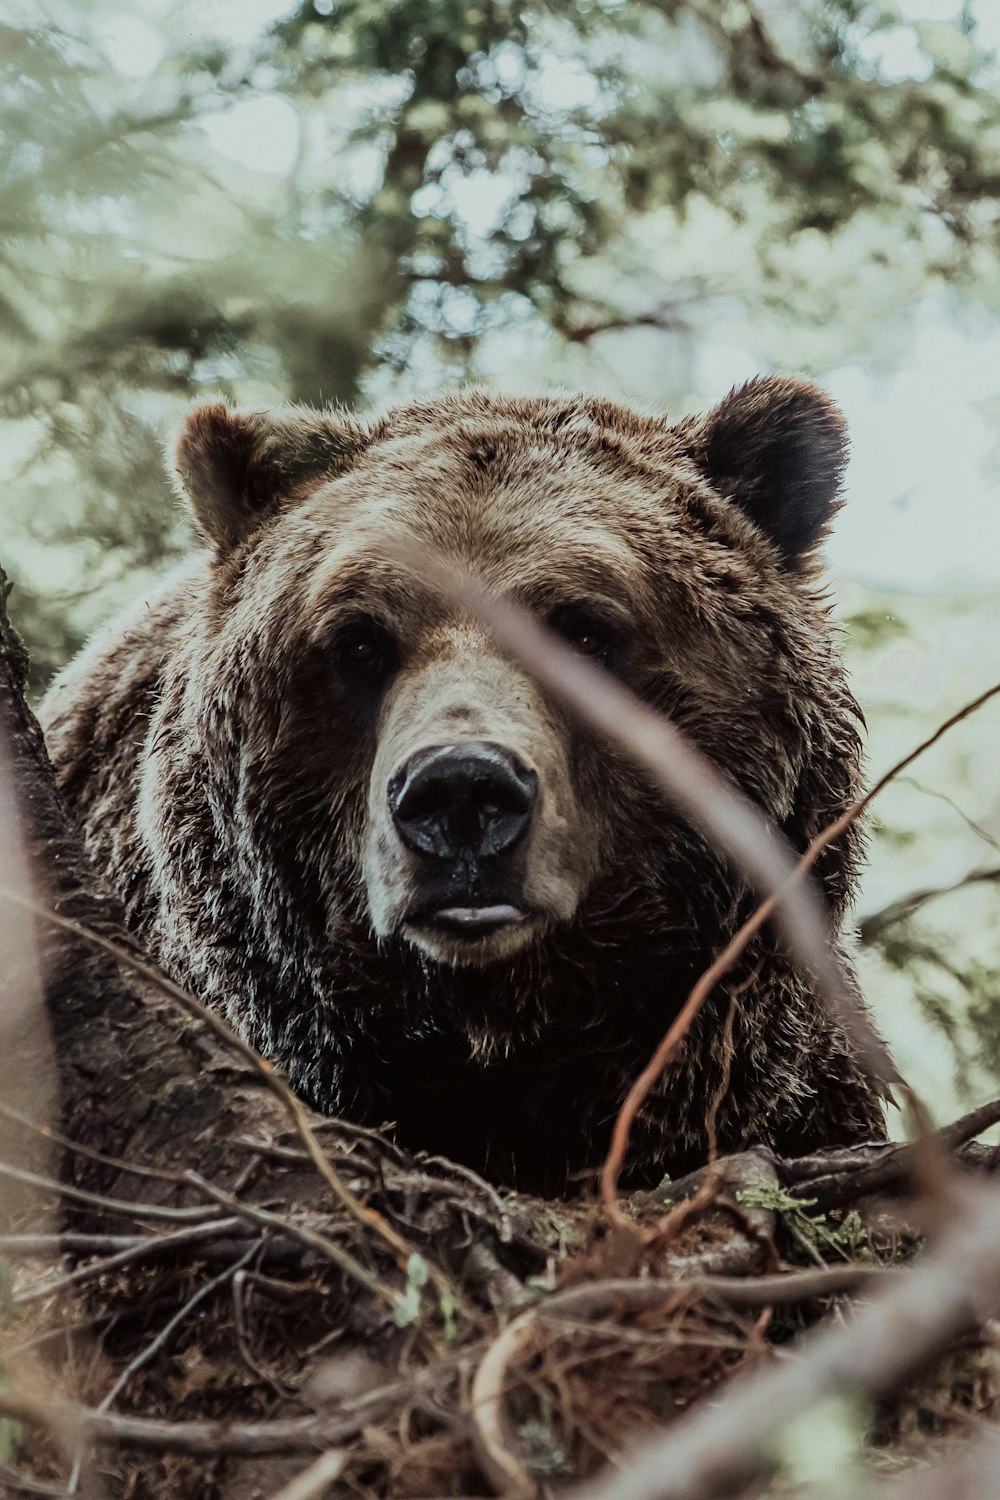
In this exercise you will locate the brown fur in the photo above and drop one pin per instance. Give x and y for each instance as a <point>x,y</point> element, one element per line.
<point>228,749</point>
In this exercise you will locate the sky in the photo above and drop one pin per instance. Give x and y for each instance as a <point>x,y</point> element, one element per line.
<point>924,479</point>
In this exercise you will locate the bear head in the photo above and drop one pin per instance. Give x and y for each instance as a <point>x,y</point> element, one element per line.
<point>395,831</point>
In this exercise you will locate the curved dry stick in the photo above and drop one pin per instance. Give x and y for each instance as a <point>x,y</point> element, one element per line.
<point>492,1435</point>
<point>720,1447</point>
<point>679,1028</point>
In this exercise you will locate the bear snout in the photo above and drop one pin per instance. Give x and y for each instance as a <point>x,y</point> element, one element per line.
<point>474,845</point>
<point>463,802</point>
<point>463,810</point>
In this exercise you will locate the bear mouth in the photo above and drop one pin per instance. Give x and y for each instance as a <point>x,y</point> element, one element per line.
<point>471,921</point>
<point>470,934</point>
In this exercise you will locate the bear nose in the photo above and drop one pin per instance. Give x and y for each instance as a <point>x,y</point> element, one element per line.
<point>475,798</point>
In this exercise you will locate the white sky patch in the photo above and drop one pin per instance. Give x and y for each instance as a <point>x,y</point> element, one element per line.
<point>563,84</point>
<point>131,45</point>
<point>896,53</point>
<point>922,506</point>
<point>479,198</point>
<point>931,10</point>
<point>235,21</point>
<point>260,133</point>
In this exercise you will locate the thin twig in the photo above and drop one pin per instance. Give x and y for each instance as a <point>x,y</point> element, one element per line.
<point>872,926</point>
<point>970,823</point>
<point>712,1113</point>
<point>160,1173</point>
<point>342,1259</point>
<point>369,1218</point>
<point>241,1332</point>
<point>718,1450</point>
<point>68,1244</point>
<point>99,1200</point>
<point>466,1174</point>
<point>140,1249</point>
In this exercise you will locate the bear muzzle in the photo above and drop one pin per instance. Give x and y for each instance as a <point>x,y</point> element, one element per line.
<point>474,843</point>
<point>463,810</point>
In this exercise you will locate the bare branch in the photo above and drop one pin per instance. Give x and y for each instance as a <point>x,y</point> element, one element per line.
<point>495,1444</point>
<point>871,927</point>
<point>100,1200</point>
<point>307,1434</point>
<point>119,1163</point>
<point>139,1249</point>
<point>846,1177</point>
<point>720,1449</point>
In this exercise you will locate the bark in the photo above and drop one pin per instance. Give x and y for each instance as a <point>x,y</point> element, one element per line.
<point>136,1078</point>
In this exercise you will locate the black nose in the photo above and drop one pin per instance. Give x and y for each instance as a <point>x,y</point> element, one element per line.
<point>475,798</point>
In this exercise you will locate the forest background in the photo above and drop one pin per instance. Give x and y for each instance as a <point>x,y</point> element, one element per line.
<point>354,200</point>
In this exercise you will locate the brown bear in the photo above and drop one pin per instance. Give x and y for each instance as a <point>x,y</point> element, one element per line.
<point>341,815</point>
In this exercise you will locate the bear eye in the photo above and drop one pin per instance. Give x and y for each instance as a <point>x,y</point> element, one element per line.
<point>588,635</point>
<point>365,649</point>
<point>589,643</point>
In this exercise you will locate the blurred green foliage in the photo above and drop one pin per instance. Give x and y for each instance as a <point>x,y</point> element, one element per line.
<point>479,189</point>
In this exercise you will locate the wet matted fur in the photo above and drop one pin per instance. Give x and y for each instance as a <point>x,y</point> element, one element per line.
<point>231,748</point>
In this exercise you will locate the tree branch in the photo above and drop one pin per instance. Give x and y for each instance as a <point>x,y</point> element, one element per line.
<point>870,928</point>
<point>720,1449</point>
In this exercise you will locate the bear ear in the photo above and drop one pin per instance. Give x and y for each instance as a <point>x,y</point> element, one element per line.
<point>777,448</point>
<point>236,467</point>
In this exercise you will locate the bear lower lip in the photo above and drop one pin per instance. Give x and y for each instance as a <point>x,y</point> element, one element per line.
<point>473,921</point>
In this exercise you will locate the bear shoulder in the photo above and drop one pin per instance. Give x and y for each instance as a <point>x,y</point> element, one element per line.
<point>96,714</point>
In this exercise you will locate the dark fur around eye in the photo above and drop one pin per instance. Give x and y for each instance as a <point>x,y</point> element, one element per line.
<point>364,651</point>
<point>587,630</point>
